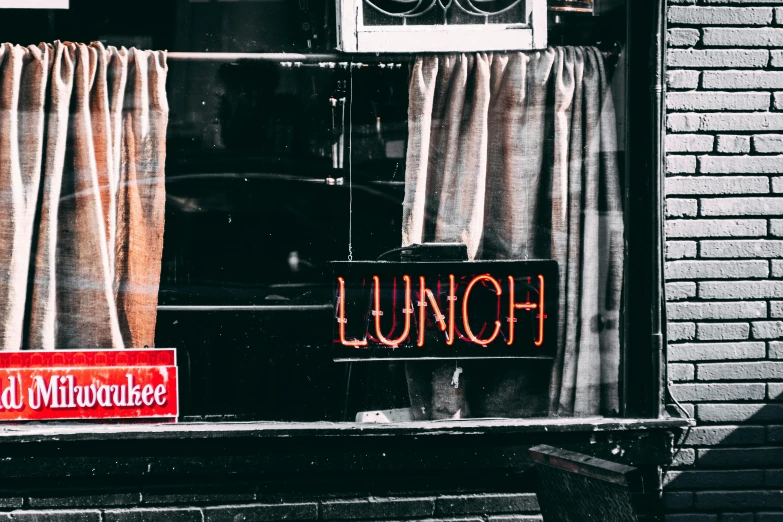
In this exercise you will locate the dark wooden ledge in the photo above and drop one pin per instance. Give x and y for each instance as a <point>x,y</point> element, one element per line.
<point>39,432</point>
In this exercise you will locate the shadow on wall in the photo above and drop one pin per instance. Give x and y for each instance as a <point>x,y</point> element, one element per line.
<point>730,466</point>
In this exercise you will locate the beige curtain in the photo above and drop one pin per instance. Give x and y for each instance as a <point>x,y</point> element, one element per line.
<point>516,156</point>
<point>82,153</point>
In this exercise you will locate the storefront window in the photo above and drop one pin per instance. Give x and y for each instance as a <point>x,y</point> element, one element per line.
<point>275,169</point>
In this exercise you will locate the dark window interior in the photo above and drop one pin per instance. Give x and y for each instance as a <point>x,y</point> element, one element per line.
<point>266,174</point>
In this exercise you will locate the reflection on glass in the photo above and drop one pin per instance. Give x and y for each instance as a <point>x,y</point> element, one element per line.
<point>272,172</point>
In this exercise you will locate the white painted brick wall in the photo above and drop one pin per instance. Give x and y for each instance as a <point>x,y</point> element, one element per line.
<point>741,164</point>
<point>682,207</point>
<point>690,143</point>
<point>711,310</point>
<point>730,144</point>
<point>742,206</point>
<point>682,79</point>
<point>681,331</point>
<point>717,101</point>
<point>701,185</point>
<point>681,372</point>
<point>740,371</point>
<point>742,37</point>
<point>722,331</point>
<point>720,16</point>
<point>741,290</point>
<point>703,269</point>
<point>716,228</point>
<point>715,351</point>
<point>679,291</point>
<point>720,392</point>
<point>768,143</point>
<point>683,37</point>
<point>717,58</point>
<point>680,249</point>
<point>724,254</point>
<point>762,248</point>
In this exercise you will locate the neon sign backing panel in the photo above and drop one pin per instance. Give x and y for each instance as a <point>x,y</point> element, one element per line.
<point>437,310</point>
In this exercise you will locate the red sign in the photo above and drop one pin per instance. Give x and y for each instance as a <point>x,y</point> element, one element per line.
<point>408,310</point>
<point>88,384</point>
<point>33,4</point>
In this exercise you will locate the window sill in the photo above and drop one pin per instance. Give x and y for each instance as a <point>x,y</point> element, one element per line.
<point>205,451</point>
<point>261,430</point>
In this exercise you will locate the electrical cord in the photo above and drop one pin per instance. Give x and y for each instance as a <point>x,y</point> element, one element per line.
<point>678,447</point>
<point>392,251</point>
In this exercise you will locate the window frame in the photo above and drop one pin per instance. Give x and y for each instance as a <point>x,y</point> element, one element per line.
<point>644,322</point>
<point>644,353</point>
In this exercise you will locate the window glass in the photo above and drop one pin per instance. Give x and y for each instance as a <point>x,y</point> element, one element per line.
<point>273,171</point>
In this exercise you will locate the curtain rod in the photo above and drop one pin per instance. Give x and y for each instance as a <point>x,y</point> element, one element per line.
<point>290,58</point>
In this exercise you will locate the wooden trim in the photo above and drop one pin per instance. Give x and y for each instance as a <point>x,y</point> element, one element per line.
<point>450,39</point>
<point>474,30</point>
<point>586,465</point>
<point>538,22</point>
<point>262,430</point>
<point>353,36</point>
<point>347,16</point>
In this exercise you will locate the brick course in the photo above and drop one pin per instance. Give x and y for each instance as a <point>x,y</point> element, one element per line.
<point>682,79</point>
<point>683,37</point>
<point>715,351</point>
<point>68,505</point>
<point>743,269</point>
<point>697,185</point>
<point>730,144</point>
<point>680,249</point>
<point>718,58</point>
<point>722,331</point>
<point>720,15</point>
<point>682,207</point>
<point>480,504</point>
<point>377,508</point>
<point>153,515</point>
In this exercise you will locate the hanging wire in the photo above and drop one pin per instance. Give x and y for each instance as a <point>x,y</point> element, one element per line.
<point>526,189</point>
<point>350,164</point>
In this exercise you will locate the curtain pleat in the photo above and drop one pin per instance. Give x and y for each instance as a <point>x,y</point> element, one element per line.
<point>142,200</point>
<point>514,154</point>
<point>23,82</point>
<point>44,292</point>
<point>82,152</point>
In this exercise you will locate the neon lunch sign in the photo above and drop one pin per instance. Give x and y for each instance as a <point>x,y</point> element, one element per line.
<point>414,310</point>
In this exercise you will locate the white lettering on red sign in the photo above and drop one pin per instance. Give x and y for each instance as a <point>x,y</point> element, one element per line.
<point>88,385</point>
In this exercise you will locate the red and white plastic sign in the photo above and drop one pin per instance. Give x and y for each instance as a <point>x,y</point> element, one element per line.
<point>88,384</point>
<point>34,4</point>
